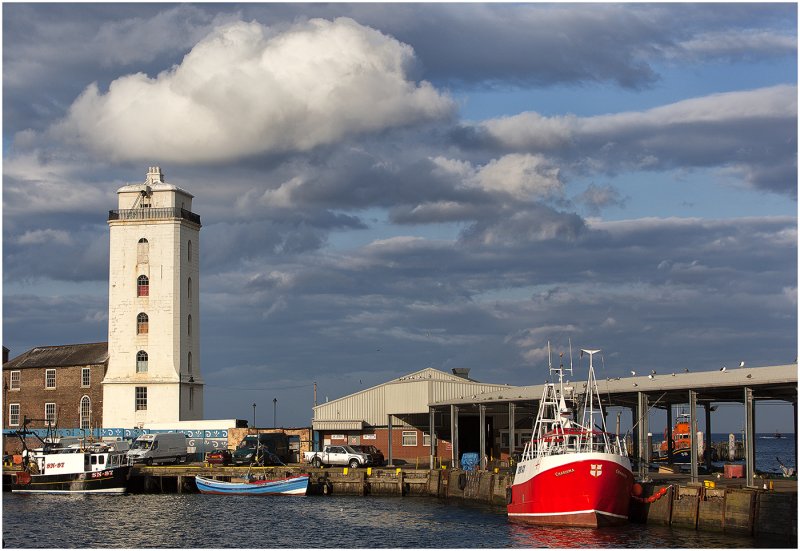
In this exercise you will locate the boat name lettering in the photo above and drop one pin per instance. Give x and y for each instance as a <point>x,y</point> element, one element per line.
<point>620,473</point>
<point>55,465</point>
<point>566,471</point>
<point>520,469</point>
<point>101,474</point>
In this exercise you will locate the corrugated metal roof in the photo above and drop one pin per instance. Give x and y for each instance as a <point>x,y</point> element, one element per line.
<point>61,356</point>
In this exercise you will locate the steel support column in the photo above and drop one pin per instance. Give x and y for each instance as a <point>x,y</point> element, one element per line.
<point>794,404</point>
<point>693,433</point>
<point>670,443</point>
<point>454,436</point>
<point>482,423</point>
<point>749,436</point>
<point>707,448</point>
<point>389,460</point>
<point>644,454</point>
<point>511,428</point>
<point>432,433</point>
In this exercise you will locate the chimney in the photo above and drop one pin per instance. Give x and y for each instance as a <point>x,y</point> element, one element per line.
<point>462,372</point>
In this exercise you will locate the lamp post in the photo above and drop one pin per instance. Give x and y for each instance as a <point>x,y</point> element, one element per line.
<point>254,415</point>
<point>274,412</point>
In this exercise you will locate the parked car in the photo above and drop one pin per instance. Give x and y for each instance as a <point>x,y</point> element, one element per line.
<point>338,455</point>
<point>273,446</point>
<point>219,457</point>
<point>377,455</point>
<point>163,447</point>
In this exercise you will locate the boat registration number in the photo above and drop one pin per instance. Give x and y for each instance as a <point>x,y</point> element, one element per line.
<point>101,474</point>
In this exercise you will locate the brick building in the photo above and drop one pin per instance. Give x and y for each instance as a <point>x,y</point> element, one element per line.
<point>61,383</point>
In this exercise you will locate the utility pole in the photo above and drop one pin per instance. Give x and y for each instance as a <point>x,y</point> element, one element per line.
<point>254,415</point>
<point>274,412</point>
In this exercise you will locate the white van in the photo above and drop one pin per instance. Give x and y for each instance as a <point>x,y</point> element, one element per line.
<point>162,447</point>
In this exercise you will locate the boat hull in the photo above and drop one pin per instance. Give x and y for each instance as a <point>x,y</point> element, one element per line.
<point>579,489</point>
<point>681,455</point>
<point>287,486</point>
<point>109,481</point>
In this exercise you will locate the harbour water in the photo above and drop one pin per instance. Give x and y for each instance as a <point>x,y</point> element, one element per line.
<point>210,521</point>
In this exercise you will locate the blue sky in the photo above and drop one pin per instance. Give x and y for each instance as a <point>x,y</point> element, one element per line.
<point>388,187</point>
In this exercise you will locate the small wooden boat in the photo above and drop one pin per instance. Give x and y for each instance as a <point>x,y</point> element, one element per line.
<point>295,486</point>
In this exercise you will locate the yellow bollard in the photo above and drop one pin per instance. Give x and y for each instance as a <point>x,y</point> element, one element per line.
<point>397,471</point>
<point>771,485</point>
<point>344,471</point>
<point>496,470</point>
<point>369,471</point>
<point>444,467</point>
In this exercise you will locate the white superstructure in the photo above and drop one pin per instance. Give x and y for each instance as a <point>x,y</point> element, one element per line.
<point>153,371</point>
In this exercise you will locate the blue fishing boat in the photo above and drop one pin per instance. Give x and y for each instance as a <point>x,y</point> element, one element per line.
<point>295,486</point>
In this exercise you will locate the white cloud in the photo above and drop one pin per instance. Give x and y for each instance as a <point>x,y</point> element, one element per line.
<point>245,89</point>
<point>36,237</point>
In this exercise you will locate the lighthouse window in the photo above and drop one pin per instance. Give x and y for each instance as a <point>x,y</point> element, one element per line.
<point>189,289</point>
<point>141,362</point>
<point>141,398</point>
<point>142,286</point>
<point>190,324</point>
<point>141,324</point>
<point>143,251</point>
<point>190,362</point>
<point>189,251</point>
<point>191,397</point>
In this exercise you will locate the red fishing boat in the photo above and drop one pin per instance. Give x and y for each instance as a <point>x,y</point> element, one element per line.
<point>572,473</point>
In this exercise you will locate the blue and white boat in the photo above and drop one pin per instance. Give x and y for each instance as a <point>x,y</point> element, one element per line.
<point>295,486</point>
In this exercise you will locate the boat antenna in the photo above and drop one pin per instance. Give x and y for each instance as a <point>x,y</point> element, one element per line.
<point>570,355</point>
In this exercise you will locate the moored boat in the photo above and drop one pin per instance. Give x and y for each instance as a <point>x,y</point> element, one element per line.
<point>296,485</point>
<point>94,469</point>
<point>571,473</point>
<point>681,442</point>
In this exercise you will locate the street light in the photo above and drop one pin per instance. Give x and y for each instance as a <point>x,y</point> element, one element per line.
<point>274,412</point>
<point>254,414</point>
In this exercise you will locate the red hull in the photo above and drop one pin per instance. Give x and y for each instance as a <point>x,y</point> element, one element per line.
<point>572,490</point>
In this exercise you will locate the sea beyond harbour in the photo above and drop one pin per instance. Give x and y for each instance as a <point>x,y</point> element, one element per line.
<point>339,522</point>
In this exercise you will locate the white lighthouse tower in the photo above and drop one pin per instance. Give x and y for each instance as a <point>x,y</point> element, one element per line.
<point>153,371</point>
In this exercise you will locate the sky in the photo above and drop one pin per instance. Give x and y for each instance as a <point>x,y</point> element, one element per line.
<point>389,187</point>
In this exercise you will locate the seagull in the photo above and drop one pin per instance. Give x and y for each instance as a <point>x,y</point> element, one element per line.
<point>749,375</point>
<point>653,372</point>
<point>741,364</point>
<point>635,384</point>
<point>686,370</point>
<point>673,374</point>
<point>723,369</point>
<point>650,377</point>
<point>633,373</point>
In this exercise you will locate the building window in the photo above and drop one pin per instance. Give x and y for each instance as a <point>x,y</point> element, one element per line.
<point>189,289</point>
<point>50,413</point>
<point>86,412</point>
<point>142,286</point>
<point>142,324</point>
<point>141,361</point>
<point>14,380</point>
<point>191,398</point>
<point>13,415</point>
<point>409,438</point>
<point>143,251</point>
<point>190,362</point>
<point>86,376</point>
<point>50,378</point>
<point>190,325</point>
<point>141,398</point>
<point>189,251</point>
<point>426,439</point>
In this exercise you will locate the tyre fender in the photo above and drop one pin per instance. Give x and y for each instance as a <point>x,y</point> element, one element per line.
<point>462,481</point>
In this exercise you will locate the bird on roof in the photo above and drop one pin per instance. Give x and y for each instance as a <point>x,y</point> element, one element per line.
<point>650,377</point>
<point>673,374</point>
<point>723,369</point>
<point>653,372</point>
<point>633,373</point>
<point>686,370</point>
<point>741,364</point>
<point>635,384</point>
<point>749,375</point>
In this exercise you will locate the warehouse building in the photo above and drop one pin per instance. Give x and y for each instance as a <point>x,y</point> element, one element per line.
<point>395,417</point>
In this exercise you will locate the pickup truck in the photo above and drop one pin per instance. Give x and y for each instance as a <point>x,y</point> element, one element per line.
<point>338,455</point>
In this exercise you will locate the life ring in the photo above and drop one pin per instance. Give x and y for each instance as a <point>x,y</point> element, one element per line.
<point>462,481</point>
